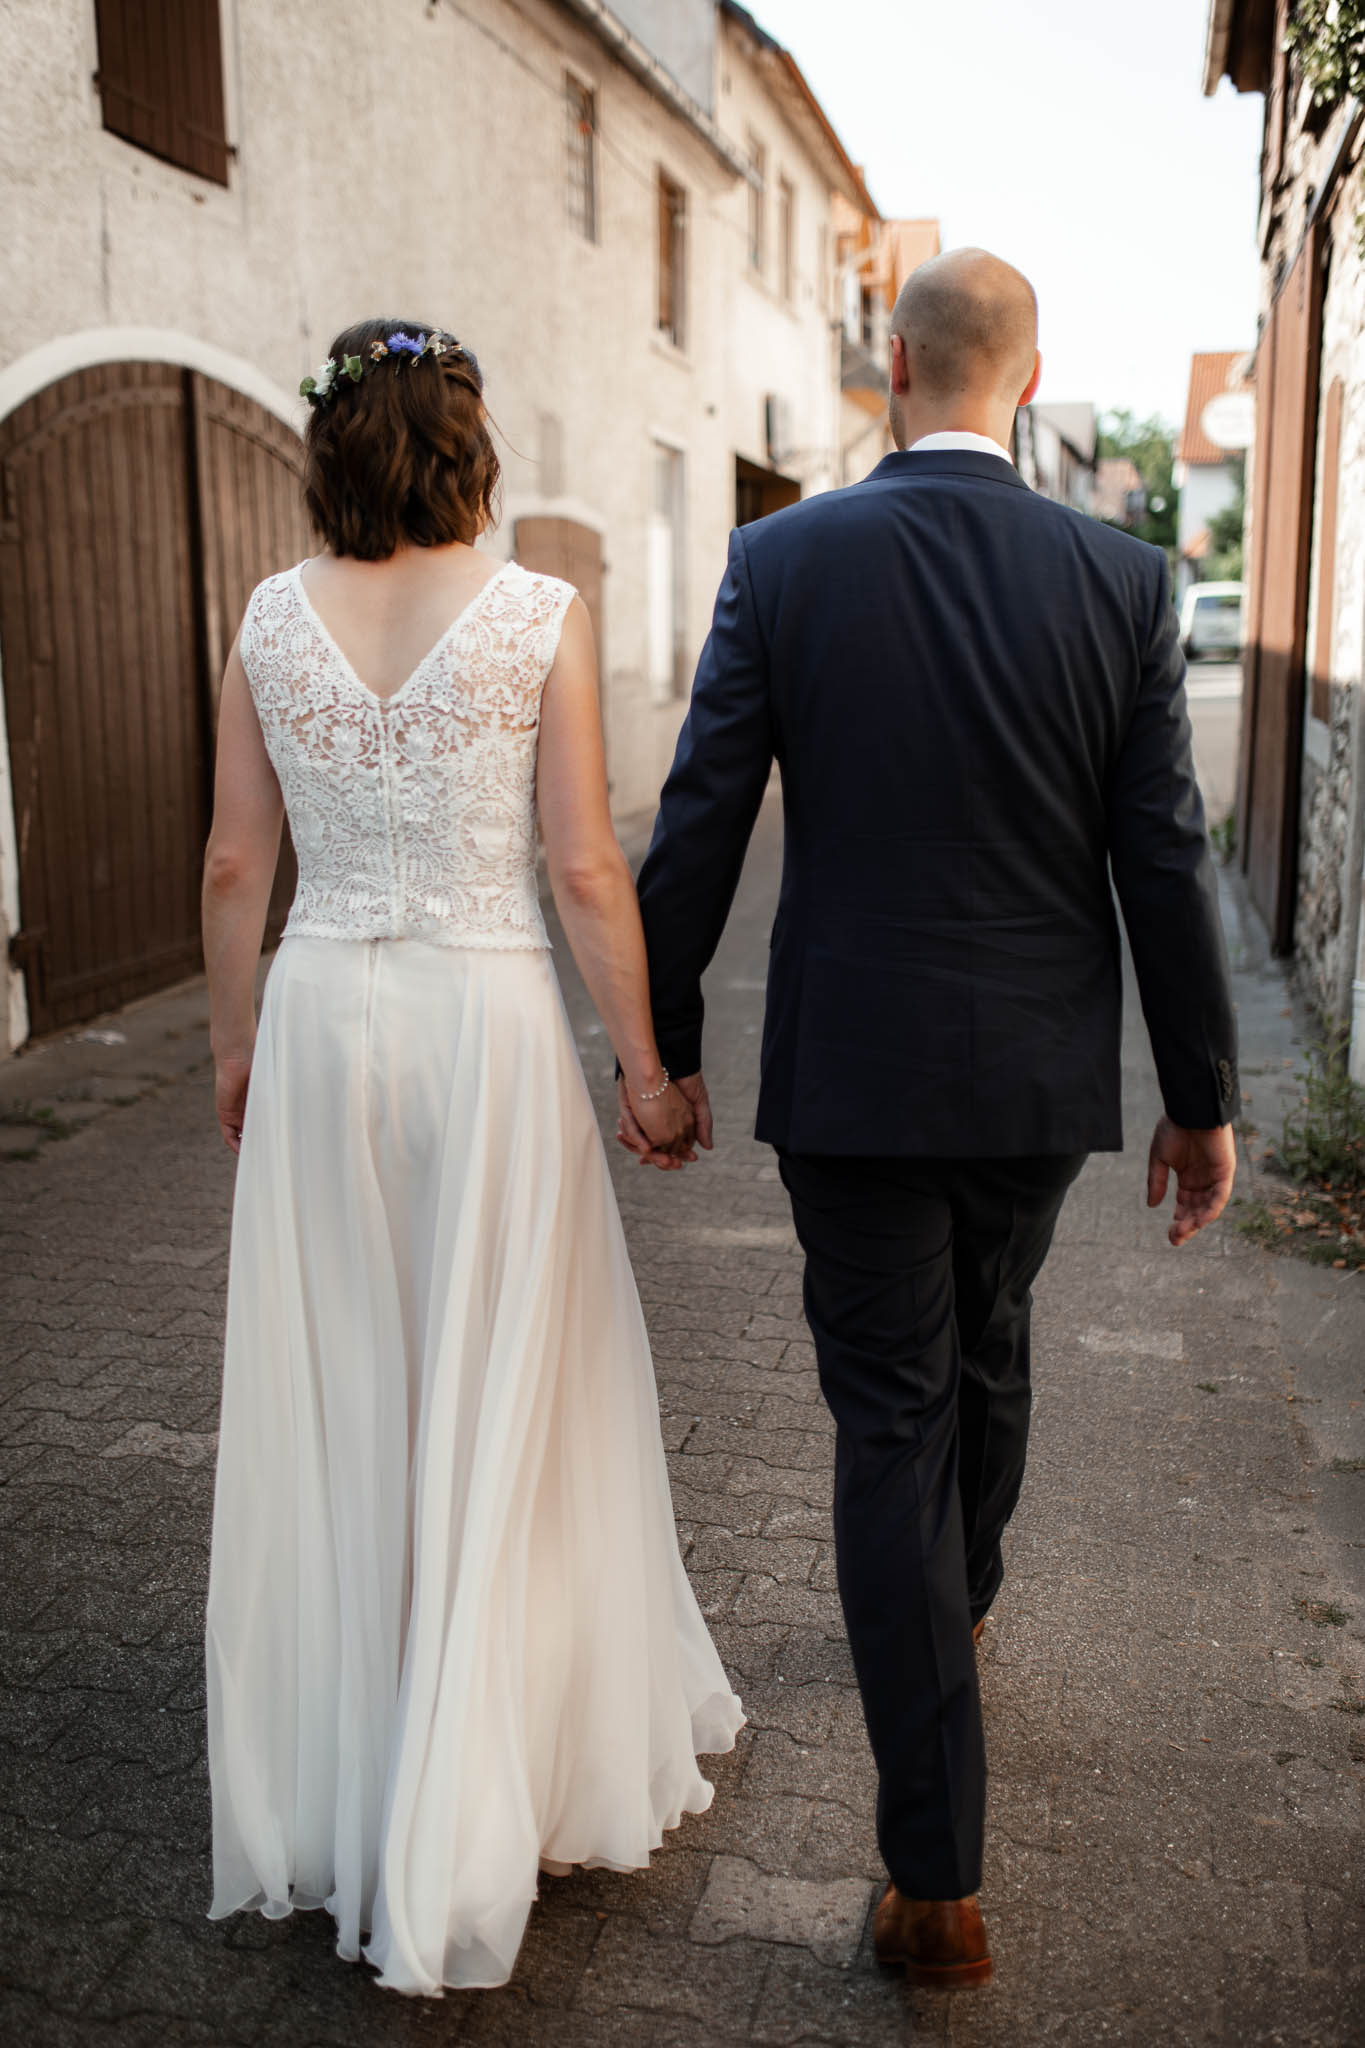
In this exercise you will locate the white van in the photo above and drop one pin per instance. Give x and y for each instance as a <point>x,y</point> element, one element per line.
<point>1211,621</point>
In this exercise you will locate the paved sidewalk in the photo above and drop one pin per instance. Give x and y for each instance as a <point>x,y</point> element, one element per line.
<point>1174,1675</point>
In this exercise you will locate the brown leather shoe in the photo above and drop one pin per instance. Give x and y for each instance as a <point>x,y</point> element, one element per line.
<point>979,1630</point>
<point>942,1942</point>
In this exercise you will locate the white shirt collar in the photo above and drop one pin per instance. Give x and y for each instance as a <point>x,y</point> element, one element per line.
<point>979,444</point>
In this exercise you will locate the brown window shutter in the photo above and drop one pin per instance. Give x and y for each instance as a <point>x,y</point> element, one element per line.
<point>161,80</point>
<point>1321,672</point>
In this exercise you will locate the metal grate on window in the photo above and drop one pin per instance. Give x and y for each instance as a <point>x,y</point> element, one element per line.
<point>580,189</point>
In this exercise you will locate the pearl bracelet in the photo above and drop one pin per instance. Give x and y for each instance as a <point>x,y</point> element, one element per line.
<point>655,1093</point>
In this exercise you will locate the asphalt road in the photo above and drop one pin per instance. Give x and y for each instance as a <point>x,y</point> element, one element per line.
<point>1215,694</point>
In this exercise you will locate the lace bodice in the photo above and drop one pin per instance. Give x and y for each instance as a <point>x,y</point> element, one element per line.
<point>413,816</point>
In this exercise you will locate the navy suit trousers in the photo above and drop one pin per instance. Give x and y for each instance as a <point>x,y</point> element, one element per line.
<point>917,1284</point>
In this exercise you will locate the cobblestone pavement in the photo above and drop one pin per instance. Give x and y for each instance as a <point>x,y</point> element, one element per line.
<point>1174,1676</point>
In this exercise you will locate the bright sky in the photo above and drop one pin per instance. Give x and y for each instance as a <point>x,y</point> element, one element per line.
<point>1072,138</point>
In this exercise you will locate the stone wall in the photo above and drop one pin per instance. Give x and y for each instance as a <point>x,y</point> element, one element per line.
<point>1328,937</point>
<point>1332,809</point>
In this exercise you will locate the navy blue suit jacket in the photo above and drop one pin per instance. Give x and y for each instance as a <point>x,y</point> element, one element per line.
<point>976,699</point>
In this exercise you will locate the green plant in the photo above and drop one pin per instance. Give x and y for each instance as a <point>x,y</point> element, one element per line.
<point>1322,1613</point>
<point>1254,1220</point>
<point>1223,837</point>
<point>1324,1137</point>
<point>1150,446</point>
<point>1224,561</point>
<point>1328,38</point>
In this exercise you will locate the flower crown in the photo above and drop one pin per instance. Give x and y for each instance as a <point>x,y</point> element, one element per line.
<point>399,348</point>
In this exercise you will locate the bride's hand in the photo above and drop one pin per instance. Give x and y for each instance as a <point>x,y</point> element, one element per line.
<point>230,1077</point>
<point>666,1123</point>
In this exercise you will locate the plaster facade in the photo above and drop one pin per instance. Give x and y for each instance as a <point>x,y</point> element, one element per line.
<point>412,161</point>
<point>783,345</point>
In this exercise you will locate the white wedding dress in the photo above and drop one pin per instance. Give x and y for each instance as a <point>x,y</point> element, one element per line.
<point>449,1636</point>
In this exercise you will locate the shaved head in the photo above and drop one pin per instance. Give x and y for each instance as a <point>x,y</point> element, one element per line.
<point>969,323</point>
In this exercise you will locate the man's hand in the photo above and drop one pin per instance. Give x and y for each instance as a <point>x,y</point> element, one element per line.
<point>628,1132</point>
<point>1203,1163</point>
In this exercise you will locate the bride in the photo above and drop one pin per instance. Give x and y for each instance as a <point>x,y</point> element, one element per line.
<point>450,1641</point>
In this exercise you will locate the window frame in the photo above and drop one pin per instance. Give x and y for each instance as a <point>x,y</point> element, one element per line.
<point>582,185</point>
<point>786,239</point>
<point>671,304</point>
<point>668,454</point>
<point>758,194</point>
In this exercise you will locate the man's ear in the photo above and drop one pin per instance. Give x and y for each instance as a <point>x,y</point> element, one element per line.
<point>900,367</point>
<point>1031,387</point>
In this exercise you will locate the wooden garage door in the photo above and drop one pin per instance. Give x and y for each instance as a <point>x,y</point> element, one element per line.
<point>1287,366</point>
<point>139,505</point>
<point>248,466</point>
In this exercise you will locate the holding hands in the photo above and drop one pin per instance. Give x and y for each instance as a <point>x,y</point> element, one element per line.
<point>665,1130</point>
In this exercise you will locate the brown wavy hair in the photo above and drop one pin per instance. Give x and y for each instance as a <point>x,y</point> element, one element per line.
<point>405,455</point>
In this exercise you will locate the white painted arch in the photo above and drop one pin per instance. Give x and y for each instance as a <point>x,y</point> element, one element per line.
<point>41,366</point>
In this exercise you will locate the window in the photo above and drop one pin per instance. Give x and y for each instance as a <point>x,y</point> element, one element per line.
<point>672,259</point>
<point>666,584</point>
<point>758,159</point>
<point>161,80</point>
<point>580,188</point>
<point>786,238</point>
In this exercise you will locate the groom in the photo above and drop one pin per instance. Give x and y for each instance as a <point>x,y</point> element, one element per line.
<point>976,699</point>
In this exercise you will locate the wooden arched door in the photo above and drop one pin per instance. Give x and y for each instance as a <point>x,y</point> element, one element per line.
<point>139,503</point>
<point>565,547</point>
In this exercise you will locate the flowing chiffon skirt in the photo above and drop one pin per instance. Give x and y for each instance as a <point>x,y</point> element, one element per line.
<point>449,1635</point>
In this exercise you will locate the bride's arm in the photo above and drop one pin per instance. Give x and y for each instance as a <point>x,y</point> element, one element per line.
<point>239,870</point>
<point>593,888</point>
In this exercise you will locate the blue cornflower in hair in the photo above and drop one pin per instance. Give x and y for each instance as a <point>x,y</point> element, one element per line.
<point>407,344</point>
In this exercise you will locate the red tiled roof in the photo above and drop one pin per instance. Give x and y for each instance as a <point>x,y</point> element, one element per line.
<point>1208,376</point>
